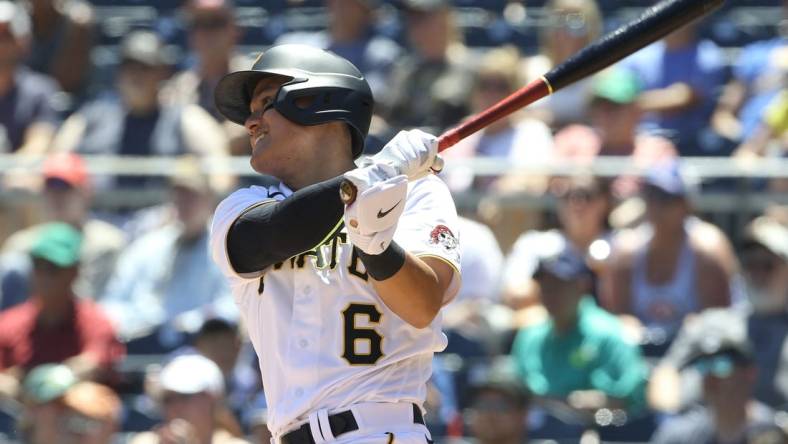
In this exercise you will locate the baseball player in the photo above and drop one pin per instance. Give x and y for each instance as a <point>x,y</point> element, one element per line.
<point>341,302</point>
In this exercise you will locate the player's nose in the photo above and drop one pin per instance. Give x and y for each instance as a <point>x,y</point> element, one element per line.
<point>252,122</point>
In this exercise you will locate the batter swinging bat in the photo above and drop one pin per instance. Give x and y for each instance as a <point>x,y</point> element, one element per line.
<point>655,23</point>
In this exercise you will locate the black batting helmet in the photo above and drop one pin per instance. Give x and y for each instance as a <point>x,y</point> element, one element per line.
<point>339,90</point>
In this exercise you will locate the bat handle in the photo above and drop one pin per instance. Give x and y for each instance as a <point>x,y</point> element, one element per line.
<point>449,139</point>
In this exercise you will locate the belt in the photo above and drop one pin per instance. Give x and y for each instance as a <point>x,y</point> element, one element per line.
<point>341,423</point>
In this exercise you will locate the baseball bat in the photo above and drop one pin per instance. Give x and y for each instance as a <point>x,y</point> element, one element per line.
<point>654,23</point>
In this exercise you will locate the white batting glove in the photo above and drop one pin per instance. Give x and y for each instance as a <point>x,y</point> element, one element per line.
<point>413,153</point>
<point>372,218</point>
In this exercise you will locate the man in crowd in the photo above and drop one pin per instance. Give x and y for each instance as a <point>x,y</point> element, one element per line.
<point>54,325</point>
<point>351,34</point>
<point>67,197</point>
<point>62,42</point>
<point>614,116</point>
<point>220,341</point>
<point>576,362</point>
<point>164,283</point>
<point>212,36</point>
<point>718,349</point>
<point>682,78</point>
<point>136,123</point>
<point>27,111</point>
<point>190,391</point>
<point>499,405</point>
<point>431,87</point>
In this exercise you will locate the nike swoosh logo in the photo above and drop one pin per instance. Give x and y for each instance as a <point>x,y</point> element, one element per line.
<point>382,214</point>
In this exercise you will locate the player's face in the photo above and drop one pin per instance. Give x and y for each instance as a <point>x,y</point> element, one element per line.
<point>280,147</point>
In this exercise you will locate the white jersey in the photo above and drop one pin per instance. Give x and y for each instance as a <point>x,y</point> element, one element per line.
<point>324,337</point>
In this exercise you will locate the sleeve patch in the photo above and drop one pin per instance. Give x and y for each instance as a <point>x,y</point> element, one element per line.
<point>442,235</point>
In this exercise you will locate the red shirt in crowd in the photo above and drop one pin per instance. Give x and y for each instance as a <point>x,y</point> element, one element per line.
<point>26,343</point>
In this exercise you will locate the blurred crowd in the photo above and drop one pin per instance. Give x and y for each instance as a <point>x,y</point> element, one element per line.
<point>616,314</point>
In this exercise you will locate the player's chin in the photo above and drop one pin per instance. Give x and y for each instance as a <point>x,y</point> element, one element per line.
<point>258,160</point>
<point>264,162</point>
<point>260,165</point>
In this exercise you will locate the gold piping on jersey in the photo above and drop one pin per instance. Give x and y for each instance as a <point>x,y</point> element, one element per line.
<point>440,258</point>
<point>333,231</point>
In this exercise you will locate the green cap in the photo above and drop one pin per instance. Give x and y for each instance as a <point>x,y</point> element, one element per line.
<point>59,243</point>
<point>617,85</point>
<point>48,382</point>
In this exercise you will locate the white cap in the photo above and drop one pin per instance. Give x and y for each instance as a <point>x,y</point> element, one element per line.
<point>16,17</point>
<point>191,374</point>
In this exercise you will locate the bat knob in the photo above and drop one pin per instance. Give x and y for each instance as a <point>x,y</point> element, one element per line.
<point>347,192</point>
<point>437,165</point>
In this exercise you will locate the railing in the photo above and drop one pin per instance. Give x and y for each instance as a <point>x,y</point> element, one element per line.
<point>740,198</point>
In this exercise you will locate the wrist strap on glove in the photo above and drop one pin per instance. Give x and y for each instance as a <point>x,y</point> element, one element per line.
<point>384,265</point>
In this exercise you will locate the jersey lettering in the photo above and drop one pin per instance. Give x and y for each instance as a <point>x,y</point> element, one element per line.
<point>327,256</point>
<point>354,335</point>
<point>353,268</point>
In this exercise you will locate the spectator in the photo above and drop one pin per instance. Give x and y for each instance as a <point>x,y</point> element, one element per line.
<point>54,325</point>
<point>220,341</point>
<point>190,394</point>
<point>91,415</point>
<point>481,264</point>
<point>718,349</point>
<point>571,26</point>
<point>135,124</point>
<point>514,139</point>
<point>682,77</point>
<point>256,419</point>
<point>758,76</point>
<point>672,265</point>
<point>773,127</point>
<point>67,197</point>
<point>429,88</point>
<point>770,139</point>
<point>165,283</point>
<point>212,37</point>
<point>441,397</point>
<point>583,207</point>
<point>42,403</point>
<point>764,259</point>
<point>577,362</point>
<point>351,34</point>
<point>27,112</point>
<point>615,112</point>
<point>614,115</point>
<point>62,41</point>
<point>499,405</point>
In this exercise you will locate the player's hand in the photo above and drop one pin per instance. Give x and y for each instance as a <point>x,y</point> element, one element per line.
<point>413,153</point>
<point>371,219</point>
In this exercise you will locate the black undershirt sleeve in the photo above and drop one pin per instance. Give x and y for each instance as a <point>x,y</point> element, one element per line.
<point>272,232</point>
